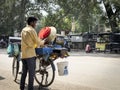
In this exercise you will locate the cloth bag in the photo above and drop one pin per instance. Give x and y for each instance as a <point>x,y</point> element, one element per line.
<point>16,49</point>
<point>10,49</point>
<point>13,50</point>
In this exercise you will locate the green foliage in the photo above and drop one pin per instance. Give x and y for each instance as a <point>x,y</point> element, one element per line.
<point>113,14</point>
<point>87,14</point>
<point>57,20</point>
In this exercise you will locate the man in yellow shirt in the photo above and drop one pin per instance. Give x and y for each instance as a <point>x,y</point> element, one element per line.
<point>29,42</point>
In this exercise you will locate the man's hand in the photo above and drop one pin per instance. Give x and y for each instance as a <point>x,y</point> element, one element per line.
<point>42,42</point>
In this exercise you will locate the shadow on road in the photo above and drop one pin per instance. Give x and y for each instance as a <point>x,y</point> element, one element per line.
<point>41,88</point>
<point>1,78</point>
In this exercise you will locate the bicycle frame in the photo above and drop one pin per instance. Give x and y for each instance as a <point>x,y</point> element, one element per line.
<point>46,60</point>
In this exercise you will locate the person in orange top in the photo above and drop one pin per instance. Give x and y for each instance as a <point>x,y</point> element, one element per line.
<point>29,41</point>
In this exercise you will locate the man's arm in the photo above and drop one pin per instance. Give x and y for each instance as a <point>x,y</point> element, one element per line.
<point>38,42</point>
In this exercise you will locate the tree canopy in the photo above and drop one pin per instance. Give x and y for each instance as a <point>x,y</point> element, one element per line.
<point>86,14</point>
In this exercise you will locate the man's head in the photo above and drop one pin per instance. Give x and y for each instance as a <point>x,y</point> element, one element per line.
<point>32,21</point>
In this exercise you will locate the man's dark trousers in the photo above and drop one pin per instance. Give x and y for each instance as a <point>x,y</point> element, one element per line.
<point>29,65</point>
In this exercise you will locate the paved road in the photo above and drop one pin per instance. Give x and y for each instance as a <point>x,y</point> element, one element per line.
<point>95,71</point>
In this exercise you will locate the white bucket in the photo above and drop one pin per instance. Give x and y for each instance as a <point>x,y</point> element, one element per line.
<point>62,68</point>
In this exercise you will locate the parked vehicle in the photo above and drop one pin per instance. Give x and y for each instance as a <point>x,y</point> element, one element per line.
<point>102,40</point>
<point>108,42</point>
<point>3,44</point>
<point>114,44</point>
<point>62,41</point>
<point>3,41</point>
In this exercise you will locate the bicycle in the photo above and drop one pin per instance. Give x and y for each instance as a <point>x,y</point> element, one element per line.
<point>45,68</point>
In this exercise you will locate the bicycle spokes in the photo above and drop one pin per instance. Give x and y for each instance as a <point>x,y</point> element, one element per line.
<point>46,73</point>
<point>44,77</point>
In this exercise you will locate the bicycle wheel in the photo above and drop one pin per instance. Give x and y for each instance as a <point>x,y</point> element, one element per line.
<point>45,72</point>
<point>15,68</point>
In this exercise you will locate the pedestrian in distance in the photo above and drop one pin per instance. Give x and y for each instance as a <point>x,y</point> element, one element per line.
<point>29,41</point>
<point>88,48</point>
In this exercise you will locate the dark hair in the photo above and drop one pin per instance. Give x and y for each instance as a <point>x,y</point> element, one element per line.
<point>31,19</point>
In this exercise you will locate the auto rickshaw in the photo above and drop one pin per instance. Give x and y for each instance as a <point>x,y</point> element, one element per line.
<point>102,40</point>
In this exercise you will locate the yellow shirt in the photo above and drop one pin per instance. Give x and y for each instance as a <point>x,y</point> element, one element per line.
<point>29,42</point>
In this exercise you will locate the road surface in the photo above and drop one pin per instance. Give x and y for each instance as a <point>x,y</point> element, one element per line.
<point>95,71</point>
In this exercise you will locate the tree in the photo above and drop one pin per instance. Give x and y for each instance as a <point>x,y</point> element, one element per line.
<point>12,16</point>
<point>113,12</point>
<point>56,20</point>
<point>87,14</point>
<point>14,13</point>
